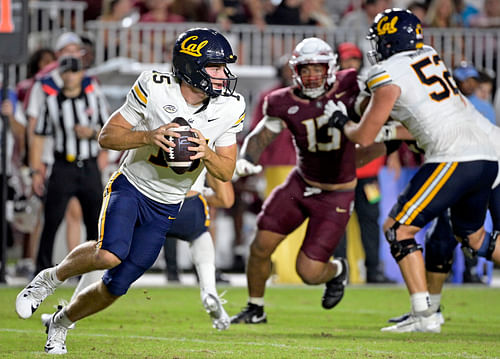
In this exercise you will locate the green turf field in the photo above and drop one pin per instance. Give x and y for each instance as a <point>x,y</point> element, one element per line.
<point>171,323</point>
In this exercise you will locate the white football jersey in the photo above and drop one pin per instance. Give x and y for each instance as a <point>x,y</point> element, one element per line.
<point>493,134</point>
<point>155,100</point>
<point>431,107</point>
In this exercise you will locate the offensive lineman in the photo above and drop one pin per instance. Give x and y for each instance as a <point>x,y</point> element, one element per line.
<point>144,196</point>
<point>321,187</point>
<point>409,82</point>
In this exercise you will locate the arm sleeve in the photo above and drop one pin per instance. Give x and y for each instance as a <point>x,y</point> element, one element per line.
<point>228,138</point>
<point>377,77</point>
<point>137,99</point>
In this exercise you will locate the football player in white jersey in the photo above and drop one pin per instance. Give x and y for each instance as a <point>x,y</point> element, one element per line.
<point>409,82</point>
<point>144,196</point>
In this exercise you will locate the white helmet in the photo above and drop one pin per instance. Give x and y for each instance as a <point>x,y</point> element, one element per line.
<point>313,51</point>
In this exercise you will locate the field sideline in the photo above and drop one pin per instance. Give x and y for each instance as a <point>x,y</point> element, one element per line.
<point>170,323</point>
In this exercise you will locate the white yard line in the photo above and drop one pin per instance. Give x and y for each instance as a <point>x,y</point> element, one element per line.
<point>283,346</point>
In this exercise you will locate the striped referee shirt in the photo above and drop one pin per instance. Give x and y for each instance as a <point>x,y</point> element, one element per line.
<point>59,115</point>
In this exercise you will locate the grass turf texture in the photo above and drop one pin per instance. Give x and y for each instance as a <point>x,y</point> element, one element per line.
<point>171,323</point>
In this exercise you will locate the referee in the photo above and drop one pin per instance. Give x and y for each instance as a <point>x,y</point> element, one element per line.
<point>72,114</point>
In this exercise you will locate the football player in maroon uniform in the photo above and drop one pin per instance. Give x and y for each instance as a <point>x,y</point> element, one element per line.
<point>320,187</point>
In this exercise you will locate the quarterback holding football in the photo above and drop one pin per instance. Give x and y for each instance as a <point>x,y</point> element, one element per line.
<point>143,196</point>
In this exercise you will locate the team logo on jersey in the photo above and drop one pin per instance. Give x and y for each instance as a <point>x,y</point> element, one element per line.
<point>170,108</point>
<point>293,110</point>
<point>192,48</point>
<point>385,27</point>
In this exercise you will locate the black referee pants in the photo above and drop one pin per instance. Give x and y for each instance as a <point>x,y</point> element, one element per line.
<point>81,179</point>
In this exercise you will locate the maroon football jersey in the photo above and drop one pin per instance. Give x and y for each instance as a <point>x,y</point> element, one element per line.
<point>324,154</point>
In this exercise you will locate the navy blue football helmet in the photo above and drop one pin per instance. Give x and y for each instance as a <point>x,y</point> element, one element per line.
<point>194,50</point>
<point>394,30</point>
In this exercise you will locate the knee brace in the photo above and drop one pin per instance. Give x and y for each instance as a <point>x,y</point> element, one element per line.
<point>436,259</point>
<point>400,249</point>
<point>488,246</point>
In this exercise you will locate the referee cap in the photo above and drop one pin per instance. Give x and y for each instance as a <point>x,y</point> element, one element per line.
<point>66,39</point>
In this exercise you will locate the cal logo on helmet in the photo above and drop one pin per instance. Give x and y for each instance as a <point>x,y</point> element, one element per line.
<point>188,46</point>
<point>385,27</point>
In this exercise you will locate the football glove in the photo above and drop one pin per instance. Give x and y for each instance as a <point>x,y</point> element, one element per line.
<point>388,132</point>
<point>337,114</point>
<point>246,168</point>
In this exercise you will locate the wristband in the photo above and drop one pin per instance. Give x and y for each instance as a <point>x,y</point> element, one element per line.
<point>392,146</point>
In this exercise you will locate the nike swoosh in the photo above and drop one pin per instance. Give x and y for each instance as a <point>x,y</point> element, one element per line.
<point>340,210</point>
<point>213,119</point>
<point>170,217</point>
<point>256,319</point>
<point>340,94</point>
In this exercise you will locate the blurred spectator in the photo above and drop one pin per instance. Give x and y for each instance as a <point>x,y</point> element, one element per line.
<point>485,88</point>
<point>350,56</point>
<point>230,12</point>
<point>36,62</point>
<point>489,16</point>
<point>466,77</point>
<point>159,11</point>
<point>442,13</point>
<point>465,11</point>
<point>419,9</point>
<point>316,11</point>
<point>293,12</point>
<point>194,10</point>
<point>361,19</point>
<point>468,81</point>
<point>118,10</point>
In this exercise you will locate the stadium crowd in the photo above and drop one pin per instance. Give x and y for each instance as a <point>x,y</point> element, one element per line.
<point>62,147</point>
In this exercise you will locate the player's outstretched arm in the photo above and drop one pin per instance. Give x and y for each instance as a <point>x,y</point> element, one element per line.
<point>117,134</point>
<point>254,144</point>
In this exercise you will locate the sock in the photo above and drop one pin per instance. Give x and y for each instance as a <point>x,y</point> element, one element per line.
<point>62,319</point>
<point>86,280</point>
<point>203,257</point>
<point>435,302</point>
<point>53,276</point>
<point>420,303</point>
<point>339,267</point>
<point>256,300</point>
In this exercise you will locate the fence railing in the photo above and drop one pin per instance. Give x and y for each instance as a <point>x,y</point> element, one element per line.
<point>152,43</point>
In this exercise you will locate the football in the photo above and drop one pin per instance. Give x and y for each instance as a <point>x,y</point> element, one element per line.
<point>178,159</point>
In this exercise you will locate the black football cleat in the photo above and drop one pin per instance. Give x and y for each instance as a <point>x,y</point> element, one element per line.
<point>251,314</point>
<point>334,290</point>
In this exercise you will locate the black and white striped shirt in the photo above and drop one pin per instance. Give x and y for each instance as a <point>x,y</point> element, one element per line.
<point>59,115</point>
